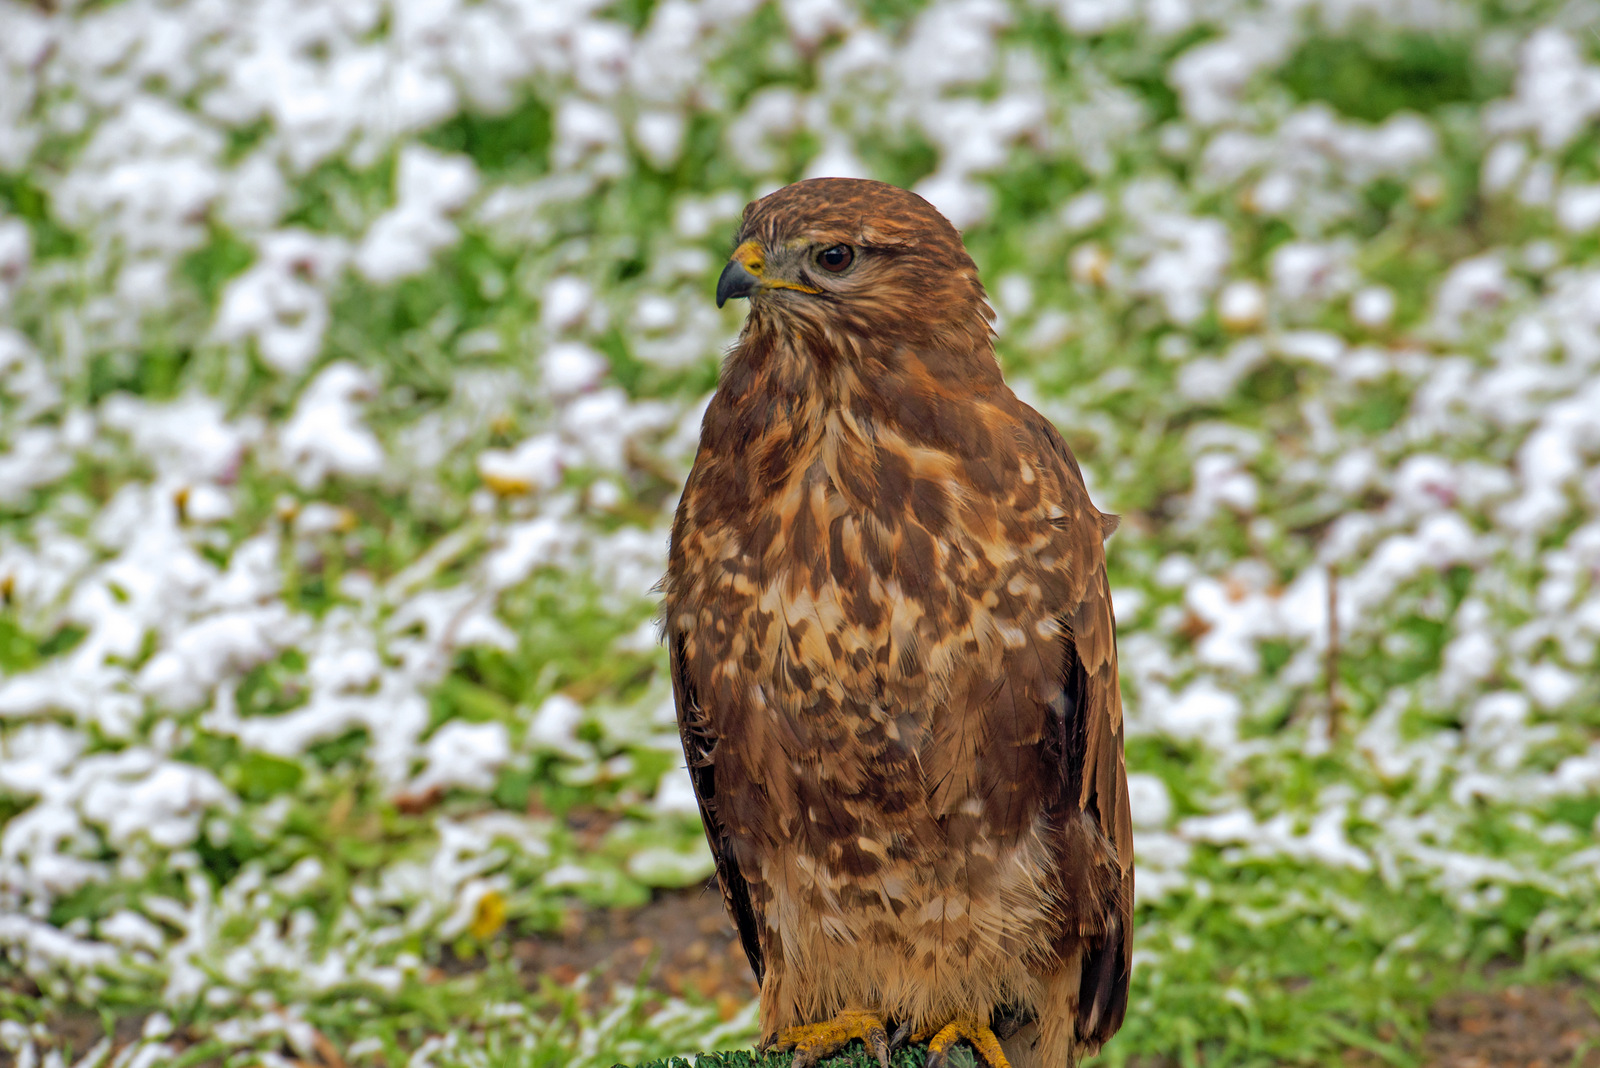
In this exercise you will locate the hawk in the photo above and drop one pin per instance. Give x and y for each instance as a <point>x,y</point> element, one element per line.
<point>893,655</point>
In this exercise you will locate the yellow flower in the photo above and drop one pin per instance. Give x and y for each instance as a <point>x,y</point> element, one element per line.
<point>488,916</point>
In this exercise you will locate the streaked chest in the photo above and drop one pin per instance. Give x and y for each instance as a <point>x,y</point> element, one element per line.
<point>871,572</point>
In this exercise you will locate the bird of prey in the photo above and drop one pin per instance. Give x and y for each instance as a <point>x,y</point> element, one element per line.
<point>894,658</point>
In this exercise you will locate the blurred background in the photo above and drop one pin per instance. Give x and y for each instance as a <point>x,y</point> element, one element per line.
<point>352,358</point>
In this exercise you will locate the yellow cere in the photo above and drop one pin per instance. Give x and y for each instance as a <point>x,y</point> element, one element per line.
<point>749,256</point>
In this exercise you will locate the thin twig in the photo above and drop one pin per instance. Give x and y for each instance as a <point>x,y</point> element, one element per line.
<point>1331,669</point>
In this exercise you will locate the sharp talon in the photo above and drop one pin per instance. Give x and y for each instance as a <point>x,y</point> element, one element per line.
<point>878,1040</point>
<point>900,1035</point>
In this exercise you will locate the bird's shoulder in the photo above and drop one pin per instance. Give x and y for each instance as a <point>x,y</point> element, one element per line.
<point>1045,516</point>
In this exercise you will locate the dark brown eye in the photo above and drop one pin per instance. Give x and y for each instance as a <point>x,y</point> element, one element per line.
<point>836,258</point>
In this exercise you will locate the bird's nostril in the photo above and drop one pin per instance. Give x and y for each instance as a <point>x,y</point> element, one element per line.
<point>748,255</point>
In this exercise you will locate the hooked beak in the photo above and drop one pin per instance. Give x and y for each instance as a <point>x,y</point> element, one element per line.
<point>746,273</point>
<point>735,281</point>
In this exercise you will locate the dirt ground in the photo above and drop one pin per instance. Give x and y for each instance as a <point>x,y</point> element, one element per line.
<point>682,942</point>
<point>1528,1027</point>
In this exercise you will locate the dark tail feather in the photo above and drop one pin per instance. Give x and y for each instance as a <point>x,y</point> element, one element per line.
<point>1103,990</point>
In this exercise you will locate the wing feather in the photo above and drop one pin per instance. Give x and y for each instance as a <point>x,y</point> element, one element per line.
<point>1090,738</point>
<point>699,747</point>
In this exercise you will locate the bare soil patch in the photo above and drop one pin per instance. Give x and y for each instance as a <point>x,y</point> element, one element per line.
<point>681,943</point>
<point>1517,1027</point>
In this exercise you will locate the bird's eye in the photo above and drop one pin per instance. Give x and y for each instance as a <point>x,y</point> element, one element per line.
<point>835,259</point>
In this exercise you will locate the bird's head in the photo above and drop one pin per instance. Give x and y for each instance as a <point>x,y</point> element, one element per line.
<point>858,258</point>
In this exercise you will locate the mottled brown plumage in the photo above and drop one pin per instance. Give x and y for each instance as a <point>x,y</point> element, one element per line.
<point>893,651</point>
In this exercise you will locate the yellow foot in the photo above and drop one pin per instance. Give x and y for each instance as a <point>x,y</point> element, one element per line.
<point>962,1028</point>
<point>815,1041</point>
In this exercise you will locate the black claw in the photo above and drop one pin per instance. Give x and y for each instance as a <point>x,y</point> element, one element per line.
<point>937,1058</point>
<point>880,1047</point>
<point>900,1035</point>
